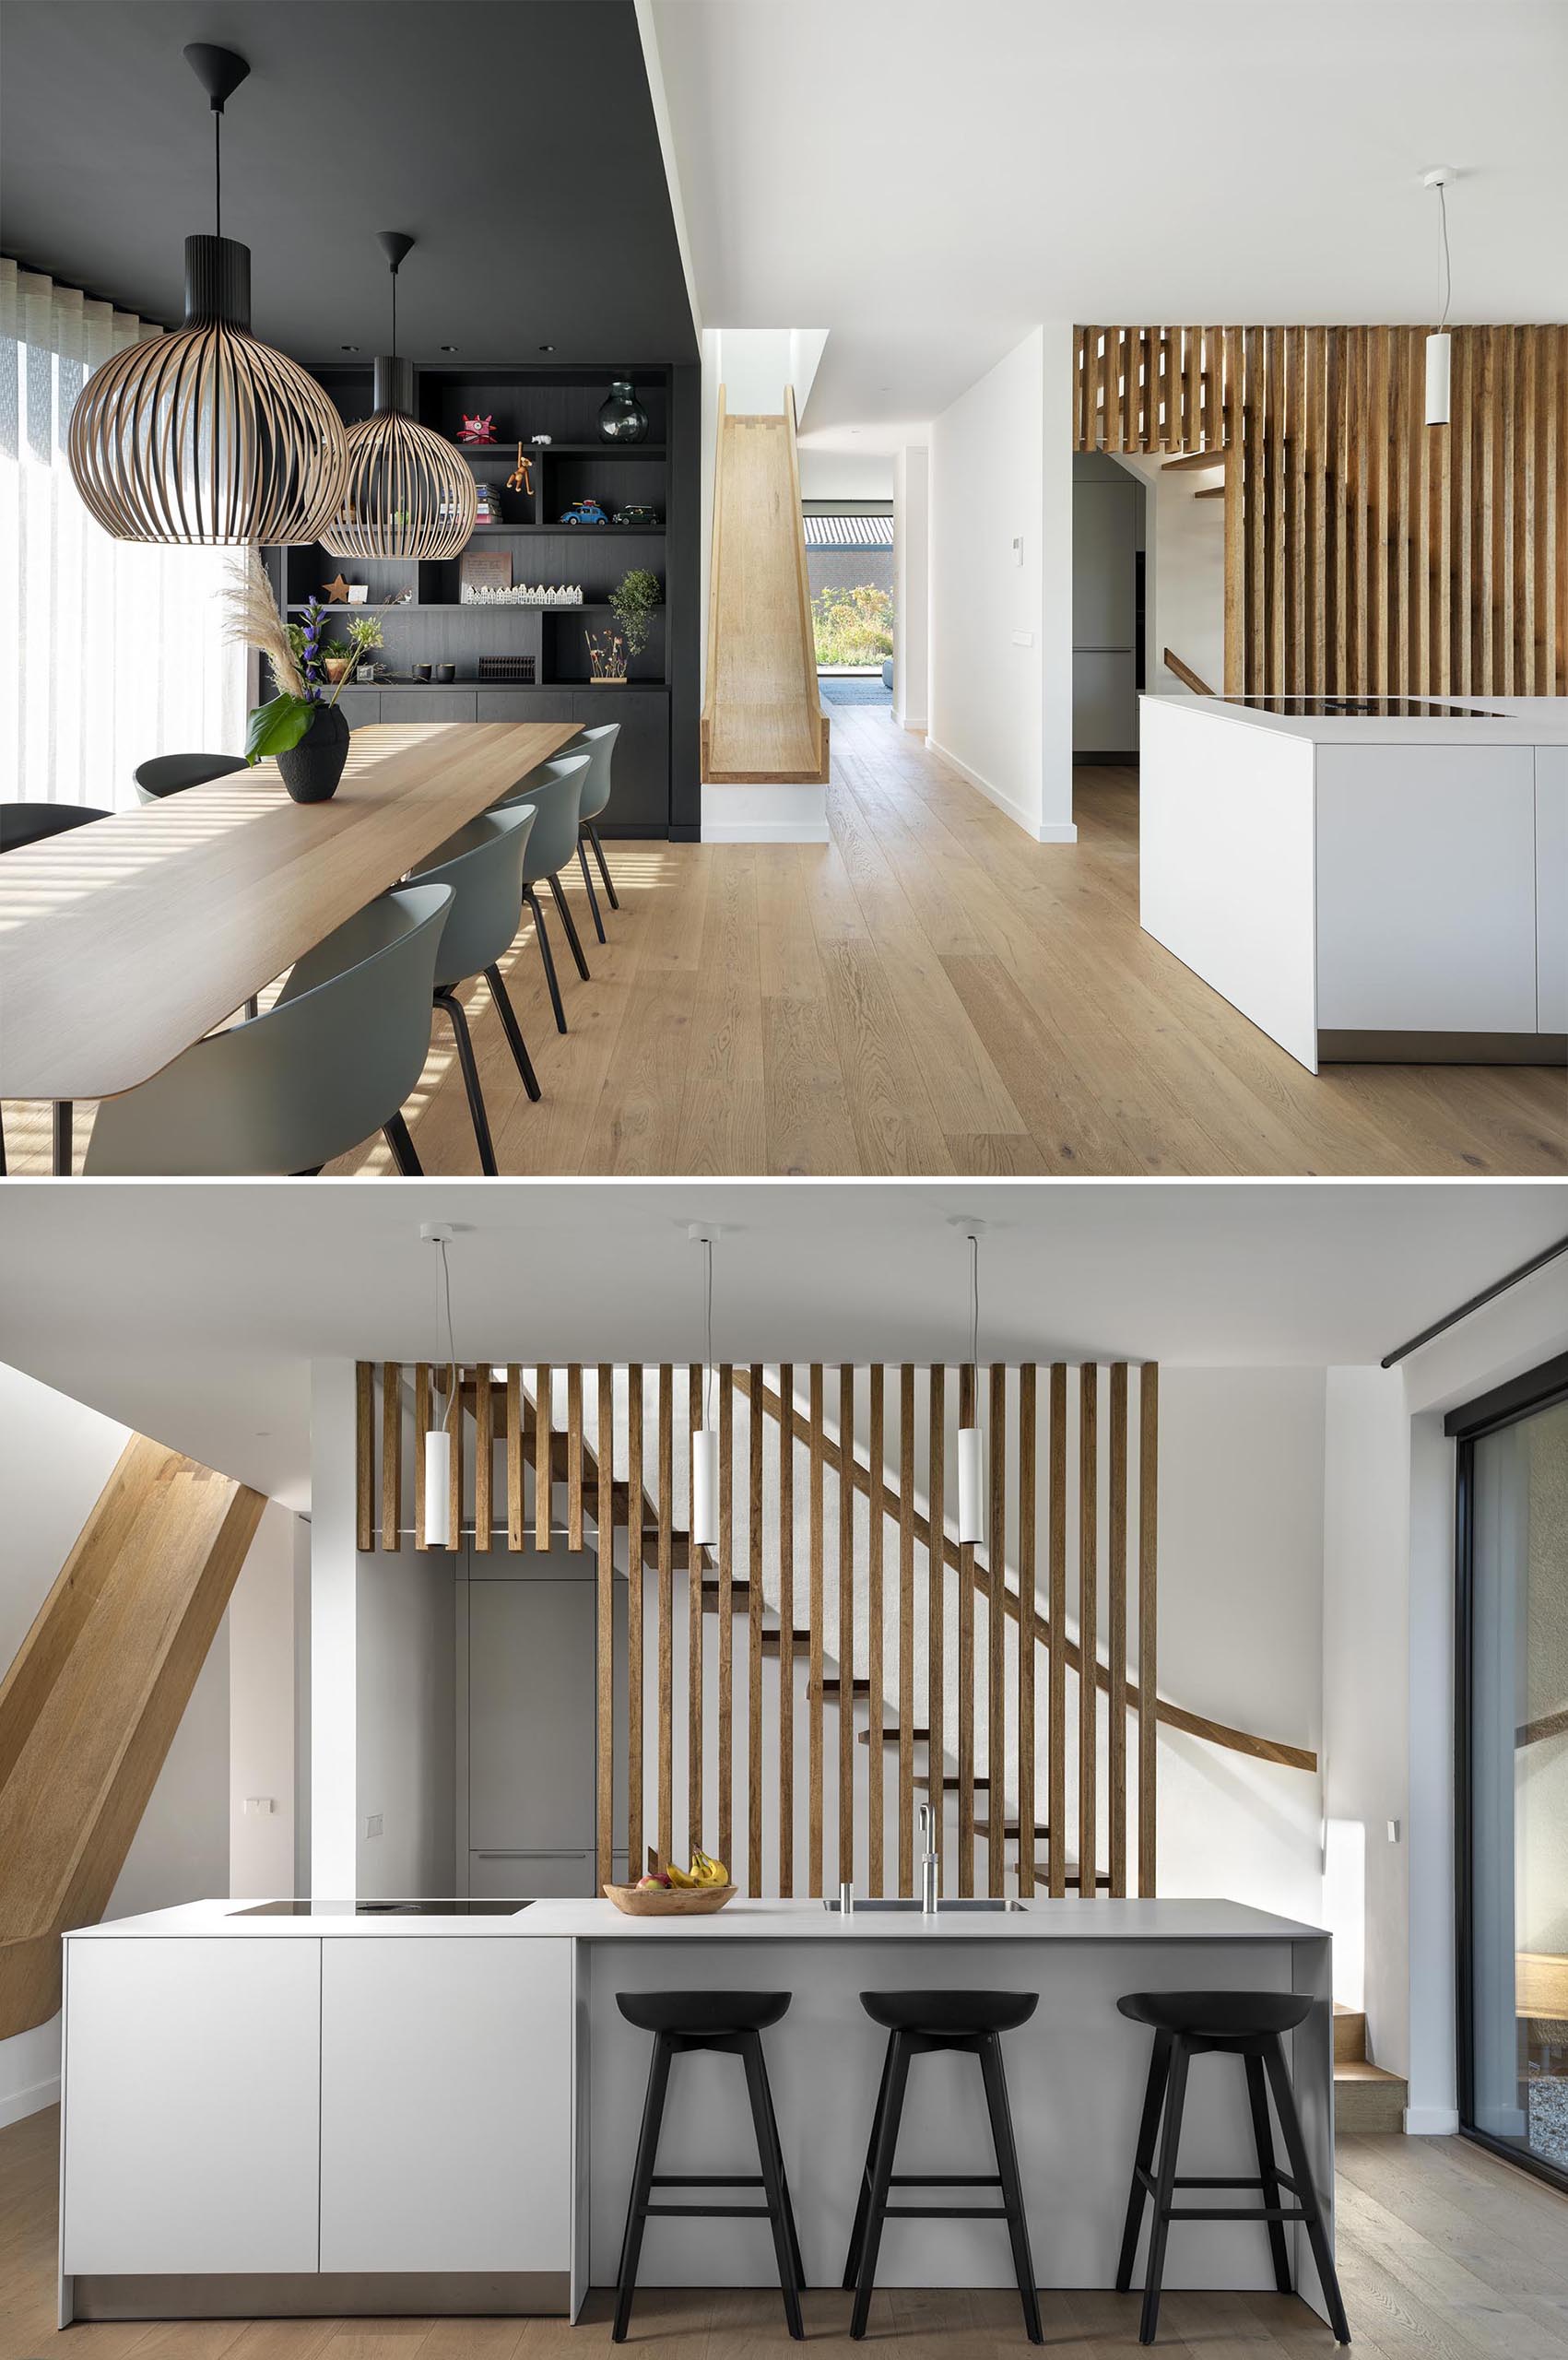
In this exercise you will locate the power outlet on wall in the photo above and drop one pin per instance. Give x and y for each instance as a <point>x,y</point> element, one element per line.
<point>372,1824</point>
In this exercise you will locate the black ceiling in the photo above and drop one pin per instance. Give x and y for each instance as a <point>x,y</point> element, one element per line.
<point>513,138</point>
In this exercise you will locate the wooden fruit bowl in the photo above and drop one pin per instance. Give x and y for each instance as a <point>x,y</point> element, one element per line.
<point>700,1901</point>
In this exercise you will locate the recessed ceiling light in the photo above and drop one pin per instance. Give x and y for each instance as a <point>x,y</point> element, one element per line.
<point>449,347</point>
<point>547,347</point>
<point>347,347</point>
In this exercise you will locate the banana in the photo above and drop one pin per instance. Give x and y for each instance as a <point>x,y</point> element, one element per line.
<point>708,1871</point>
<point>681,1879</point>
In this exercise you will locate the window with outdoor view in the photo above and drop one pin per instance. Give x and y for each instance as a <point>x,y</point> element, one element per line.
<point>849,564</point>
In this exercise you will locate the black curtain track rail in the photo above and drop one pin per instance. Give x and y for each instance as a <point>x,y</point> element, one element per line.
<point>1487,1294</point>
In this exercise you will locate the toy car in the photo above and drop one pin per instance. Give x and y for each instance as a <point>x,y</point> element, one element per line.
<point>636,514</point>
<point>584,512</point>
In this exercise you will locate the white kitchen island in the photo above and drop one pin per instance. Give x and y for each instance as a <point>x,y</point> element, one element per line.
<point>1382,886</point>
<point>328,2113</point>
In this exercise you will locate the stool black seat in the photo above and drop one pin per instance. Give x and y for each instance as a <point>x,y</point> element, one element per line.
<point>1234,2024</point>
<point>732,2022</point>
<point>918,2023</point>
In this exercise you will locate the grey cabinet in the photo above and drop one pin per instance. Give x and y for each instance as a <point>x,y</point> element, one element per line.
<point>426,705</point>
<point>359,707</point>
<point>639,804</point>
<point>531,1694</point>
<point>527,705</point>
<point>1104,701</point>
<point>531,1876</point>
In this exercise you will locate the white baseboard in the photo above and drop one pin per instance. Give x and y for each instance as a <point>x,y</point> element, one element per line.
<point>766,831</point>
<point>916,721</point>
<point>1043,832</point>
<point>1432,2121</point>
<point>16,2105</point>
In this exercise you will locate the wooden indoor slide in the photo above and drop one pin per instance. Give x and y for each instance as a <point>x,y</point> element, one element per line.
<point>763,723</point>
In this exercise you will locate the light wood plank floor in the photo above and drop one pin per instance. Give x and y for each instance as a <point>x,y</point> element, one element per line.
<point>929,992</point>
<point>1444,2253</point>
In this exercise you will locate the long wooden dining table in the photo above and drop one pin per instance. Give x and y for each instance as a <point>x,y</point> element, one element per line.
<point>124,940</point>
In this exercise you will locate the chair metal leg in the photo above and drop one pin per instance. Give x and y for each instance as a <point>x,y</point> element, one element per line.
<point>863,2201</point>
<point>1306,2186</point>
<point>1263,2139</point>
<point>1147,2130</point>
<point>453,1008</point>
<point>881,2176</point>
<point>1164,2186</point>
<point>395,1131</point>
<point>592,827</point>
<point>544,943</point>
<point>1012,2184</point>
<point>564,906</point>
<point>773,2181</point>
<point>63,1113</point>
<point>593,898</point>
<point>513,1031</point>
<point>642,2182</point>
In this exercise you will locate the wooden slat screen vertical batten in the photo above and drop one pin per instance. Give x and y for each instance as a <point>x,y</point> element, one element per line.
<point>544,1460</point>
<point>906,1633</point>
<point>484,1457</point>
<point>574,1456</point>
<point>604,1517</point>
<point>786,1631</point>
<point>516,1514</point>
<point>695,1568</point>
<point>846,1627</point>
<point>1088,1623</point>
<point>636,1669</point>
<point>1116,1603</point>
<point>995,1639</point>
<point>814,1800</point>
<point>1147,1578</point>
<point>967,1381</point>
<point>391,1455</point>
<point>1364,552</point>
<point>1027,1507</point>
<point>754,1637</point>
<point>876,1763</point>
<point>666,1611</point>
<point>935,1595</point>
<point>421,1428</point>
<point>364,1455</point>
<point>1057,1718</point>
<point>725,1734</point>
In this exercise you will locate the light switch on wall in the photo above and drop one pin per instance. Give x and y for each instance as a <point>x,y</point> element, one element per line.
<point>1017,548</point>
<point>259,1806</point>
<point>372,1824</point>
<point>1023,638</point>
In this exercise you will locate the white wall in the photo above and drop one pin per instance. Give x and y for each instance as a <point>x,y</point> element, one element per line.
<point>912,587</point>
<point>1001,585</point>
<point>846,475</point>
<point>262,1736</point>
<point>1184,577</point>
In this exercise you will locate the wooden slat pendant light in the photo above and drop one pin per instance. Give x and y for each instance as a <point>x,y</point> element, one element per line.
<point>407,494</point>
<point>207,437</point>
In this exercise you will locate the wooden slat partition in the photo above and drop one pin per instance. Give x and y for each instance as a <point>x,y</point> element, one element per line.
<point>604,1517</point>
<point>967,1376</point>
<point>935,1649</point>
<point>1117,1605</point>
<point>1056,1718</point>
<point>1366,551</point>
<point>814,1618</point>
<point>906,1630</point>
<point>785,1429</point>
<point>1087,1619</point>
<point>846,1629</point>
<point>516,1507</point>
<point>543,1462</point>
<point>1026,1510</point>
<point>875,1445</point>
<point>421,1428</point>
<point>1147,1666</point>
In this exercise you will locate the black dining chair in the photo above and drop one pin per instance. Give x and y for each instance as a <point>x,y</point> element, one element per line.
<point>32,823</point>
<point>165,774</point>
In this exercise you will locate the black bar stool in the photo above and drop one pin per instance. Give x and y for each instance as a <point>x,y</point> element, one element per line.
<point>1231,2023</point>
<point>918,2022</point>
<point>731,2022</point>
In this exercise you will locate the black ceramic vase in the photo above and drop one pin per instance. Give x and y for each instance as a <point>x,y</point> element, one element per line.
<point>623,418</point>
<point>313,768</point>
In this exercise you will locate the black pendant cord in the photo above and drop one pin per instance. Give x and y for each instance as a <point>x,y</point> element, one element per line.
<point>218,172</point>
<point>395,310</point>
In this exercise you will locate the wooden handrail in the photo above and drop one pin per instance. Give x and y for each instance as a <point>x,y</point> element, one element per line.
<point>1188,676</point>
<point>1260,1749</point>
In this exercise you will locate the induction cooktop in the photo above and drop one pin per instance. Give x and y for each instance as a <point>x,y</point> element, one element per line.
<point>383,1909</point>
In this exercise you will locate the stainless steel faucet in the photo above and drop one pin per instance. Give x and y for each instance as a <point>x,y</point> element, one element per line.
<point>928,1862</point>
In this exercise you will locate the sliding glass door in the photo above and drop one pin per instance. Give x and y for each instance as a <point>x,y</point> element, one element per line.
<point>1513,1766</point>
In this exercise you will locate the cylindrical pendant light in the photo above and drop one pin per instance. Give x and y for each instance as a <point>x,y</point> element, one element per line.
<point>436,1532</point>
<point>705,1441</point>
<point>971,1457</point>
<point>1439,352</point>
<point>207,436</point>
<point>408,493</point>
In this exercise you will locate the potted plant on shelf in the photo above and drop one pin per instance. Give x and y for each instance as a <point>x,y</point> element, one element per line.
<point>300,725</point>
<point>632,604</point>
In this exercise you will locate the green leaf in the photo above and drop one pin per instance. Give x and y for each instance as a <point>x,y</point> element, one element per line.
<point>276,726</point>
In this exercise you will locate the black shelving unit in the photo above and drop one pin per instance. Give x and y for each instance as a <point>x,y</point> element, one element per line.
<point>656,770</point>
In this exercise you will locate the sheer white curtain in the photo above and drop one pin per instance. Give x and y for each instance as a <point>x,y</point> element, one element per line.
<point>108,652</point>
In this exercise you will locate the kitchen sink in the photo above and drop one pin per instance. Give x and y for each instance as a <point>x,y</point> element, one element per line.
<point>907,1906</point>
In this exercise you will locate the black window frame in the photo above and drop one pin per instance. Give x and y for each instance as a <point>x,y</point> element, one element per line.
<point>1506,1404</point>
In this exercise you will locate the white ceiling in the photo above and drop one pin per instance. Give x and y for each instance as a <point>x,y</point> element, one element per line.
<point>192,1313</point>
<point>930,178</point>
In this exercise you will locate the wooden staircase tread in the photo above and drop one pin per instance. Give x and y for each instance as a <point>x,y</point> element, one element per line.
<point>952,1782</point>
<point>1071,1875</point>
<point>892,1736</point>
<point>1356,2069</point>
<point>1012,1828</point>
